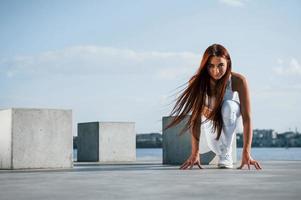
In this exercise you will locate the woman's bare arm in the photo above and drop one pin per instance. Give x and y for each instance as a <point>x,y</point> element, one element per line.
<point>245,109</point>
<point>194,145</point>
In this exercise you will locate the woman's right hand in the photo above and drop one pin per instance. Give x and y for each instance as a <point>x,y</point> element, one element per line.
<point>194,159</point>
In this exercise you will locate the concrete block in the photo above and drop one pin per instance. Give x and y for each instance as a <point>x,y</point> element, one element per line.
<point>106,141</point>
<point>35,138</point>
<point>176,148</point>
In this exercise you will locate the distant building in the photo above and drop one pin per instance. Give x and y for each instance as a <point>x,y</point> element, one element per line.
<point>290,139</point>
<point>270,138</point>
<point>264,138</point>
<point>149,140</point>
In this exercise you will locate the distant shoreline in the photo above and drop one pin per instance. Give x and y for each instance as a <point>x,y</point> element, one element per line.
<point>262,138</point>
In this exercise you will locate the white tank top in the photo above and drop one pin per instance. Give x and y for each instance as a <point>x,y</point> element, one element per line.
<point>229,95</point>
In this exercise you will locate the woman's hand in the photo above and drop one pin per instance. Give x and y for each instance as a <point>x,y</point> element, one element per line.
<point>248,160</point>
<point>194,159</point>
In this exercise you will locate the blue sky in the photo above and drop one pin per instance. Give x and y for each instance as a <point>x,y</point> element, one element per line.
<point>123,60</point>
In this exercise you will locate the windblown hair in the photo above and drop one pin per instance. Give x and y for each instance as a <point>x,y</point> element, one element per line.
<point>192,99</point>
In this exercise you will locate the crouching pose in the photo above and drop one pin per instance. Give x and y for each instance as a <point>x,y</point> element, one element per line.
<point>216,97</point>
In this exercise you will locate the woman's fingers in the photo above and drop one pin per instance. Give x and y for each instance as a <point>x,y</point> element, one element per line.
<point>259,165</point>
<point>249,163</point>
<point>241,166</point>
<point>199,164</point>
<point>185,165</point>
<point>189,163</point>
<point>243,163</point>
<point>256,164</point>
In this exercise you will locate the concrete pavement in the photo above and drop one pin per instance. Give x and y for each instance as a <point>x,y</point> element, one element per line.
<point>152,180</point>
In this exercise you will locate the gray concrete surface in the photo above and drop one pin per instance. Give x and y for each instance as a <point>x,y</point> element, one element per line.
<point>176,149</point>
<point>106,141</point>
<point>152,180</point>
<point>35,138</point>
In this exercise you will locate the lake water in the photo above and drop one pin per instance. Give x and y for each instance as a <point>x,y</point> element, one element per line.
<point>256,153</point>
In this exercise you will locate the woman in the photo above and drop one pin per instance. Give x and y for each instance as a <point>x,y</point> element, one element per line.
<point>215,98</point>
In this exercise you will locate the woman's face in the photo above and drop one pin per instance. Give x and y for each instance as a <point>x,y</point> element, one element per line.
<point>217,67</point>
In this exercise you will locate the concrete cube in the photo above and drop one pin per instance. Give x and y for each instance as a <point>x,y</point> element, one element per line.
<point>35,138</point>
<point>176,148</point>
<point>106,141</point>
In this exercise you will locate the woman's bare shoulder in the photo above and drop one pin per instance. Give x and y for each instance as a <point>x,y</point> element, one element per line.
<point>238,81</point>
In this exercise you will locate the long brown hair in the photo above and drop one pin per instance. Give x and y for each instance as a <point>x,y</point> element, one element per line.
<point>192,100</point>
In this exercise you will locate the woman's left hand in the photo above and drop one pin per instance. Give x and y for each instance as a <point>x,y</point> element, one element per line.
<point>248,160</point>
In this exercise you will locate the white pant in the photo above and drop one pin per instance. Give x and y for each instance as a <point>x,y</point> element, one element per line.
<point>230,114</point>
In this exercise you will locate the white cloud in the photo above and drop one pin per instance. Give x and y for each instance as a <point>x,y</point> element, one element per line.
<point>293,68</point>
<point>233,3</point>
<point>85,60</point>
<point>172,72</point>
